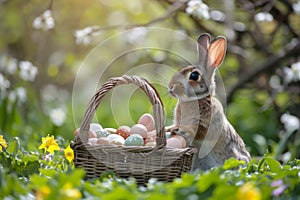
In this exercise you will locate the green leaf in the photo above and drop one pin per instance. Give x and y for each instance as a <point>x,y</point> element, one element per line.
<point>48,172</point>
<point>13,146</point>
<point>274,165</point>
<point>32,168</point>
<point>233,163</point>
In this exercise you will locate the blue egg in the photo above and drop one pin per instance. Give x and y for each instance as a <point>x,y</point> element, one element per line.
<point>134,140</point>
<point>102,133</point>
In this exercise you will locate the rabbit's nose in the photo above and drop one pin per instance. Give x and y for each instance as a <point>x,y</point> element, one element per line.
<point>171,91</point>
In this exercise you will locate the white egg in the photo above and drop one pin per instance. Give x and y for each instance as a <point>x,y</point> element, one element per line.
<point>95,127</point>
<point>174,143</point>
<point>116,139</point>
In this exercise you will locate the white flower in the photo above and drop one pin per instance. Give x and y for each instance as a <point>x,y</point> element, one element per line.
<point>57,116</point>
<point>290,122</point>
<point>296,7</point>
<point>263,16</point>
<point>44,21</point>
<point>84,36</point>
<point>8,64</point>
<point>19,93</point>
<point>198,9</point>
<point>136,35</point>
<point>4,84</point>
<point>28,71</point>
<point>293,73</point>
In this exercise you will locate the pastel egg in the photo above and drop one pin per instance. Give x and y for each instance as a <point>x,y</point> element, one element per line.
<point>111,130</point>
<point>116,139</point>
<point>95,127</point>
<point>168,135</point>
<point>152,134</point>
<point>103,140</point>
<point>92,134</point>
<point>93,141</point>
<point>102,133</point>
<point>150,144</point>
<point>76,132</point>
<point>174,143</point>
<point>134,140</point>
<point>183,142</point>
<point>148,121</point>
<point>123,131</point>
<point>139,129</point>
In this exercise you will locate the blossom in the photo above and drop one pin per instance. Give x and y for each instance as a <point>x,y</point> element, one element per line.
<point>28,71</point>
<point>44,21</point>
<point>49,144</point>
<point>19,94</point>
<point>57,116</point>
<point>198,9</point>
<point>279,187</point>
<point>290,122</point>
<point>263,16</point>
<point>68,192</point>
<point>4,85</point>
<point>85,35</point>
<point>42,192</point>
<point>248,191</point>
<point>296,7</point>
<point>8,64</point>
<point>292,73</point>
<point>69,154</point>
<point>2,142</point>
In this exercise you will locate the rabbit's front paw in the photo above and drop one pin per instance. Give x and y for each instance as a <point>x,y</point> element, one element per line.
<point>186,135</point>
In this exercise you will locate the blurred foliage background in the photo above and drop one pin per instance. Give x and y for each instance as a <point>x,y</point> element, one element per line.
<point>54,54</point>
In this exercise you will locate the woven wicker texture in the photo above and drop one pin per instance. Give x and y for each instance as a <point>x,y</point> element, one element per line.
<point>142,163</point>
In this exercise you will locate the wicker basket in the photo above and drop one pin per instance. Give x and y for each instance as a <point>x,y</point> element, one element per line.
<point>140,162</point>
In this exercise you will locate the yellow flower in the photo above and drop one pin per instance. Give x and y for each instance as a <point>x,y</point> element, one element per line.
<point>248,191</point>
<point>69,154</point>
<point>49,144</point>
<point>70,193</point>
<point>42,193</point>
<point>2,142</point>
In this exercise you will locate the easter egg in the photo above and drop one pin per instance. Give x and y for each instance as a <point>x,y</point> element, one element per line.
<point>134,140</point>
<point>183,142</point>
<point>123,131</point>
<point>148,121</point>
<point>76,132</point>
<point>116,139</point>
<point>150,144</point>
<point>103,140</point>
<point>139,129</point>
<point>102,133</point>
<point>95,127</point>
<point>111,130</point>
<point>174,143</point>
<point>92,134</point>
<point>151,137</point>
<point>168,135</point>
<point>93,141</point>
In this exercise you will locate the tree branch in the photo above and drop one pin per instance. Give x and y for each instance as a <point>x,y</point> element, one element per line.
<point>291,49</point>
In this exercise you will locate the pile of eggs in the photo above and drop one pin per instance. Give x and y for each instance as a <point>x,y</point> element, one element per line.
<point>141,134</point>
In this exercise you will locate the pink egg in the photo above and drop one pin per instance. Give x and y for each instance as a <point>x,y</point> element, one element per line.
<point>76,132</point>
<point>183,142</point>
<point>103,140</point>
<point>92,134</point>
<point>148,121</point>
<point>174,143</point>
<point>93,141</point>
<point>139,129</point>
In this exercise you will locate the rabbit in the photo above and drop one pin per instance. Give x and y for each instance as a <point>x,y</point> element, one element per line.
<point>198,116</point>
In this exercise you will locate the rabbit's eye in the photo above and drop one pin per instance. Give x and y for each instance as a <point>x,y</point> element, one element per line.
<point>194,76</point>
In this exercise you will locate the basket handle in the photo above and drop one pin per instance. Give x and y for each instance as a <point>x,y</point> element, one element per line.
<point>158,111</point>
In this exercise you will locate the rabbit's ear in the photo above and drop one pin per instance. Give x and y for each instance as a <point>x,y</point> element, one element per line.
<point>203,45</point>
<point>217,51</point>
